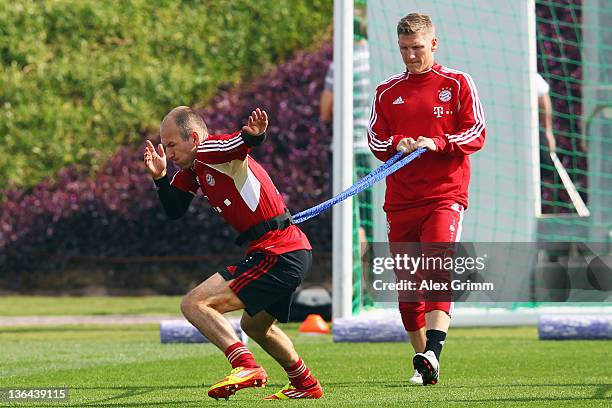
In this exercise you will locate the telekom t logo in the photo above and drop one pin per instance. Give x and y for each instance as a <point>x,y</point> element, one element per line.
<point>438,111</point>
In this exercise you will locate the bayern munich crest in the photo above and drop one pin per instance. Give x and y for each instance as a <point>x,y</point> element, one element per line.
<point>445,94</point>
<point>210,179</point>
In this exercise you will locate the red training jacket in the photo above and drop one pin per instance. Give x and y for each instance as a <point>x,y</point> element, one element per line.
<point>441,104</point>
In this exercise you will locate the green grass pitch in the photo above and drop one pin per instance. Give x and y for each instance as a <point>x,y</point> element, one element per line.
<point>126,366</point>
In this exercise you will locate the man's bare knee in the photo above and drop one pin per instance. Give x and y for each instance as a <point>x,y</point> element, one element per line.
<point>198,302</point>
<point>190,304</point>
<point>210,296</point>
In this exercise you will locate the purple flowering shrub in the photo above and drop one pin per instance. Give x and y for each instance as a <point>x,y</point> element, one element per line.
<point>109,229</point>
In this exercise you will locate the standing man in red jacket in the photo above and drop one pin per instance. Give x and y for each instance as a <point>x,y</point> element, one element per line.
<point>438,108</point>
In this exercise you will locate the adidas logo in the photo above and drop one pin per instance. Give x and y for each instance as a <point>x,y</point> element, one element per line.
<point>398,101</point>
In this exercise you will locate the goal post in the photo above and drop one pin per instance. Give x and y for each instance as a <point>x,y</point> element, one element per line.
<point>342,242</point>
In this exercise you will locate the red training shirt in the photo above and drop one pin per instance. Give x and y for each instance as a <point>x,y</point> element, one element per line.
<point>441,104</point>
<point>240,190</point>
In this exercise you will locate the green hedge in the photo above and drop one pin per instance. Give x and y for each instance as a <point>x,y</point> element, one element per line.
<point>81,77</point>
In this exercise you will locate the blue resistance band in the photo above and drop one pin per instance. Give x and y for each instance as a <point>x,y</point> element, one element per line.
<point>390,166</point>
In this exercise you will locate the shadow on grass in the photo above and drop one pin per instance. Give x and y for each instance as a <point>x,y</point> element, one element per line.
<point>128,392</point>
<point>132,391</point>
<point>602,391</point>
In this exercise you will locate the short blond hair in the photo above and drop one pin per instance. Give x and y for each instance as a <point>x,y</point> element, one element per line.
<point>415,23</point>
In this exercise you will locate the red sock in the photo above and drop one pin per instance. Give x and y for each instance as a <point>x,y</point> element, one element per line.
<point>240,356</point>
<point>300,376</point>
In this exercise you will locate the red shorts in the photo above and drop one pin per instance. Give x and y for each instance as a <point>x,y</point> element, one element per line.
<point>438,222</point>
<point>435,222</point>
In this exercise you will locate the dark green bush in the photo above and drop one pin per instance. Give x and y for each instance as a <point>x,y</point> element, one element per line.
<point>80,77</point>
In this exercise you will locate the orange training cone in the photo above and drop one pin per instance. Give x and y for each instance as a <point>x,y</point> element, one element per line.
<point>314,324</point>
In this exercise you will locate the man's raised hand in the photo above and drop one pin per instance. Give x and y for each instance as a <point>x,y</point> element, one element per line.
<point>257,123</point>
<point>155,161</point>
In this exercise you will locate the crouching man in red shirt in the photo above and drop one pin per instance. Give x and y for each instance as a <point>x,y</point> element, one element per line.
<point>278,254</point>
